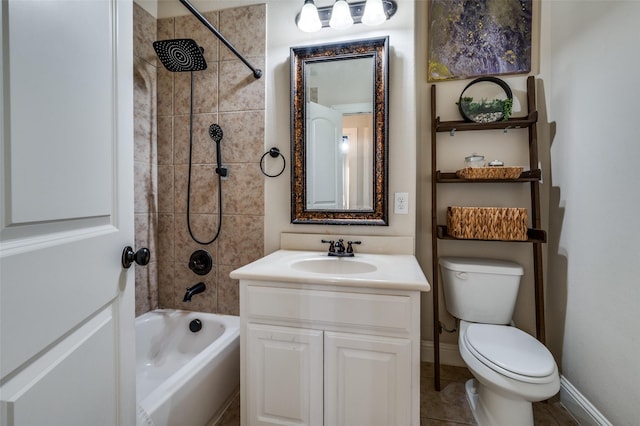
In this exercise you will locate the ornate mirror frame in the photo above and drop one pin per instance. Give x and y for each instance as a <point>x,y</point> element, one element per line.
<point>301,57</point>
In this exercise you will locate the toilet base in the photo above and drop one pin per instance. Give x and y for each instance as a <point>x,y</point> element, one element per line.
<point>493,409</point>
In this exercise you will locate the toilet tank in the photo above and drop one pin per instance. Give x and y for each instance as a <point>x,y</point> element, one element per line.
<point>480,290</point>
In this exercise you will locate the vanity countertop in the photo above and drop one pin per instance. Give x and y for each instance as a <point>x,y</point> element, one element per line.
<point>390,271</point>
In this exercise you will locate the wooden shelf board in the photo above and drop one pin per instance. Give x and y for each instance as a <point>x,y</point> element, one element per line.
<point>461,125</point>
<point>451,177</point>
<point>535,236</point>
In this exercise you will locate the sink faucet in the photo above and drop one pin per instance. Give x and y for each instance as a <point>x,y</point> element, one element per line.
<point>191,291</point>
<point>337,248</point>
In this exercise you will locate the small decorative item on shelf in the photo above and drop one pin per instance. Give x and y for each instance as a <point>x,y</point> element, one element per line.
<point>484,110</point>
<point>474,160</point>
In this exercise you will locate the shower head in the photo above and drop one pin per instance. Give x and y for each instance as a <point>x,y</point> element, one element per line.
<point>215,132</point>
<point>180,55</point>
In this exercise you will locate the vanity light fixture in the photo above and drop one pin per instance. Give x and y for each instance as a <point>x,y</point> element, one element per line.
<point>368,12</point>
<point>373,13</point>
<point>308,19</point>
<point>340,15</point>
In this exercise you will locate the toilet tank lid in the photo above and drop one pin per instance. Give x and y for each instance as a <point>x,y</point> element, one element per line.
<point>485,266</point>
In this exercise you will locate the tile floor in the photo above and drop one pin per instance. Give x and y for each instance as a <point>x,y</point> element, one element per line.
<point>449,406</point>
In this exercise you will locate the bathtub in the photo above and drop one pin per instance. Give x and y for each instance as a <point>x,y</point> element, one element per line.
<point>182,377</point>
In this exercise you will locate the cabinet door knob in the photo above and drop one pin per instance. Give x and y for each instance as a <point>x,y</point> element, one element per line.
<point>141,257</point>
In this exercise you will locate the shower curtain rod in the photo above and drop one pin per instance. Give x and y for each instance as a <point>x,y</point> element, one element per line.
<point>256,72</point>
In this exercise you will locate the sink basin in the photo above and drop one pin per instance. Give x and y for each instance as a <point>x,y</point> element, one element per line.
<point>333,265</point>
<point>392,271</point>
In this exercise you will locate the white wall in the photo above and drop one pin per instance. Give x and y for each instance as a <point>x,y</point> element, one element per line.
<point>590,68</point>
<point>282,34</point>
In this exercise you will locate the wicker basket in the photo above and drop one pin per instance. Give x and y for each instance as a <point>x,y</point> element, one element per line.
<point>490,172</point>
<point>487,223</point>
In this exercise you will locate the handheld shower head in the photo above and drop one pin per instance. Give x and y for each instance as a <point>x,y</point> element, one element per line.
<point>180,55</point>
<point>215,132</point>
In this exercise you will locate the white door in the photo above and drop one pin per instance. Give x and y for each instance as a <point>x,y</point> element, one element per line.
<point>66,304</point>
<point>285,370</point>
<point>324,158</point>
<point>367,380</point>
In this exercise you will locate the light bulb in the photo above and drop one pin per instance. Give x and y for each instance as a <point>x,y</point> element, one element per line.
<point>308,20</point>
<point>341,15</point>
<point>373,13</point>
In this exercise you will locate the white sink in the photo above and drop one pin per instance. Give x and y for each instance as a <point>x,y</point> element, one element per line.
<point>393,271</point>
<point>334,265</point>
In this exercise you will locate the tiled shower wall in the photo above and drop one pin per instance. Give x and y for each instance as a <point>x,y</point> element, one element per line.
<point>225,93</point>
<point>145,156</point>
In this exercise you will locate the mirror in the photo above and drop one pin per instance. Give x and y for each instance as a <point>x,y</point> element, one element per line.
<point>339,123</point>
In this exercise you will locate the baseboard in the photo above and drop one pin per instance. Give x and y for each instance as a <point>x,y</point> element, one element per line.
<point>579,406</point>
<point>449,354</point>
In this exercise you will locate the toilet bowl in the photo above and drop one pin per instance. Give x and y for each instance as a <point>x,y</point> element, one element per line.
<point>511,368</point>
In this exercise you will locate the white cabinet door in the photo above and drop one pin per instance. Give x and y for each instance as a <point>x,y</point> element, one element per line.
<point>285,376</point>
<point>367,380</point>
<point>66,213</point>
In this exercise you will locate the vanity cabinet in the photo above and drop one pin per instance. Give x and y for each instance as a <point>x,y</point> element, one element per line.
<point>329,355</point>
<point>535,235</point>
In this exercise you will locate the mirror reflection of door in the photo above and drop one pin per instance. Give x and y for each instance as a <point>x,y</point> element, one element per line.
<point>324,158</point>
<point>339,140</point>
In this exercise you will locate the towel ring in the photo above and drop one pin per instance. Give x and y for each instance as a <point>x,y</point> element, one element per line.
<point>273,152</point>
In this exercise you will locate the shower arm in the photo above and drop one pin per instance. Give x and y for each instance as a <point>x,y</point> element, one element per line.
<point>256,72</point>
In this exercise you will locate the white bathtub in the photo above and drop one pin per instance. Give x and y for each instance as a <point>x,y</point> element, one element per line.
<point>182,377</point>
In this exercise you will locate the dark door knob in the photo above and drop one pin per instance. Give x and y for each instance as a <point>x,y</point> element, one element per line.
<point>141,257</point>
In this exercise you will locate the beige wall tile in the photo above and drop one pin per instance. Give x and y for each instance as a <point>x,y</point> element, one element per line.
<point>242,238</point>
<point>239,89</point>
<point>228,291</point>
<point>144,99</point>
<point>204,227</point>
<point>166,230</point>
<point>144,33</point>
<point>165,92</point>
<point>203,146</point>
<point>243,192</point>
<point>249,38</point>
<point>143,183</point>
<point>189,26</point>
<point>165,140</point>
<point>166,290</point>
<point>205,90</point>
<point>204,189</point>
<point>146,227</point>
<point>166,28</point>
<point>166,200</point>
<point>243,136</point>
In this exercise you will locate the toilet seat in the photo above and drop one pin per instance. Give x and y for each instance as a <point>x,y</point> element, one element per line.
<point>511,352</point>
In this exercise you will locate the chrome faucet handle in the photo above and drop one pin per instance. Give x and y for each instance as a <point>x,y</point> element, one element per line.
<point>332,247</point>
<point>349,247</point>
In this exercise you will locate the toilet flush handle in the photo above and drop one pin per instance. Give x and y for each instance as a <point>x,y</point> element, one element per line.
<point>461,275</point>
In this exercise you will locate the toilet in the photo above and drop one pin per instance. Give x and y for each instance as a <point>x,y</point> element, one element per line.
<point>511,368</point>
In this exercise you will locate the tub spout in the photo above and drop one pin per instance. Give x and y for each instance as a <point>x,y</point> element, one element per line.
<point>198,288</point>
